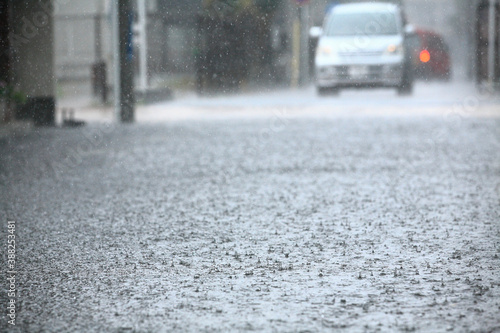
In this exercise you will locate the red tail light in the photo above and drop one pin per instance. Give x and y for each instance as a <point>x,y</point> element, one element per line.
<point>425,56</point>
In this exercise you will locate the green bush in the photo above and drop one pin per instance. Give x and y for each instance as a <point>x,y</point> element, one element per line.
<point>11,94</point>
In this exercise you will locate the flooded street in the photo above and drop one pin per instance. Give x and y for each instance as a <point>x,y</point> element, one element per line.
<point>250,166</point>
<point>274,212</point>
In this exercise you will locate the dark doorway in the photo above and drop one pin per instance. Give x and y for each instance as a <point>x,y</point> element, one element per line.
<point>4,40</point>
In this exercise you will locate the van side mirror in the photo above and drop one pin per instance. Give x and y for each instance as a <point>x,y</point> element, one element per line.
<point>409,29</point>
<point>315,32</point>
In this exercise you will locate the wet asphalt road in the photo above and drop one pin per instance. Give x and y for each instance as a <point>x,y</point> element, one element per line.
<point>256,224</point>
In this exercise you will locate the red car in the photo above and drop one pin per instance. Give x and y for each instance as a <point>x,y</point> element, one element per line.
<point>430,55</point>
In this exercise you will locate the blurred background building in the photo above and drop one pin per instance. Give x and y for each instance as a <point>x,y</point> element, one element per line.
<point>64,48</point>
<point>189,42</point>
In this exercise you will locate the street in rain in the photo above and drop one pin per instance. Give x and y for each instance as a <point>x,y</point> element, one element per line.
<point>250,165</point>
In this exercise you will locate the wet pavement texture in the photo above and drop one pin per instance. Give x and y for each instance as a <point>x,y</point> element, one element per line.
<point>268,224</point>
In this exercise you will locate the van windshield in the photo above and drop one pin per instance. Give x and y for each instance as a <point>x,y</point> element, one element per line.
<point>350,24</point>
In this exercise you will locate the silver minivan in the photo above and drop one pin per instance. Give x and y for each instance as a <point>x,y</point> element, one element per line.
<point>362,45</point>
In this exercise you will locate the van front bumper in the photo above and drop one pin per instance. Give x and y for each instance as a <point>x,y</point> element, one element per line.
<point>389,75</point>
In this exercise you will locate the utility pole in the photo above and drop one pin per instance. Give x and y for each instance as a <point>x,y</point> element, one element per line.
<point>300,44</point>
<point>124,69</point>
<point>304,44</point>
<point>143,42</point>
<point>491,42</point>
<point>296,52</point>
<point>99,71</point>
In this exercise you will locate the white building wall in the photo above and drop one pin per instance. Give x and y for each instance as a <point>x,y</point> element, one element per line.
<point>75,37</point>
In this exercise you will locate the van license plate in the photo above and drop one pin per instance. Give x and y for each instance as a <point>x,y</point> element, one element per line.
<point>358,71</point>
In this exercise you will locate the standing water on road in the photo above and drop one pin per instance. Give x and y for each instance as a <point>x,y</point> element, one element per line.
<point>188,166</point>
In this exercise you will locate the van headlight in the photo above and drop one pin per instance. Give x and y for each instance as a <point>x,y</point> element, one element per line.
<point>394,49</point>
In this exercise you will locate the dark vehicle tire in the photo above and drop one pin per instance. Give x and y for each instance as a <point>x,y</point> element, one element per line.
<point>406,86</point>
<point>405,90</point>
